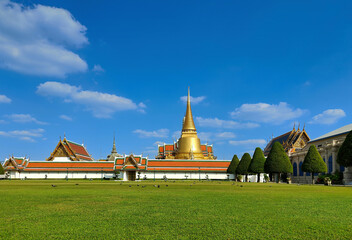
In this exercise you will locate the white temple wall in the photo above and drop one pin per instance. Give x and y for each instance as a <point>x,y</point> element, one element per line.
<point>59,175</point>
<point>185,175</point>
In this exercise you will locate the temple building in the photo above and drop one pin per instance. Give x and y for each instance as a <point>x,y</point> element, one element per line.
<point>291,141</point>
<point>185,159</point>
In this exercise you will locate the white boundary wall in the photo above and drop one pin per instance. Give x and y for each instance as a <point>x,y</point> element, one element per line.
<point>59,175</point>
<point>150,175</point>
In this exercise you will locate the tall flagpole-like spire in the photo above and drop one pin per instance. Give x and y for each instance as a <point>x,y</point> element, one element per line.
<point>114,146</point>
<point>188,123</point>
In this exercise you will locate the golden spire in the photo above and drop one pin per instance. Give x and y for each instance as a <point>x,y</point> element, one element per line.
<point>188,123</point>
<point>189,143</point>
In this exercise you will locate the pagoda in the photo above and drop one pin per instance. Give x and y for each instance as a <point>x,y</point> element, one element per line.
<point>188,145</point>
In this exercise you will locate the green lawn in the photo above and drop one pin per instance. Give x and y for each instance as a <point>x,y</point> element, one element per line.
<point>183,210</point>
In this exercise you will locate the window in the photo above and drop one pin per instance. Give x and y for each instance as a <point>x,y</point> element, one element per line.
<point>330,164</point>
<point>295,169</point>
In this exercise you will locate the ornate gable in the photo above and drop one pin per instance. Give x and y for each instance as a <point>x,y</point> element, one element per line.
<point>73,151</point>
<point>130,163</point>
<point>62,151</point>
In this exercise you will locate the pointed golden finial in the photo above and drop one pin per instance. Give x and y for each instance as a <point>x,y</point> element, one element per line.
<point>294,126</point>
<point>188,123</point>
<point>298,126</point>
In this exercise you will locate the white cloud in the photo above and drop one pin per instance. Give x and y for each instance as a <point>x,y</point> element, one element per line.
<point>215,136</point>
<point>65,117</point>
<point>4,99</point>
<point>249,142</point>
<point>224,135</point>
<point>38,40</point>
<point>194,100</point>
<point>24,118</point>
<point>205,136</point>
<point>25,135</point>
<point>218,123</point>
<point>161,133</point>
<point>98,69</point>
<point>329,116</point>
<point>176,135</point>
<point>102,105</point>
<point>266,113</point>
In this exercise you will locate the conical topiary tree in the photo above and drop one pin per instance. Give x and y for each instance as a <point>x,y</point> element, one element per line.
<point>277,161</point>
<point>243,166</point>
<point>257,164</point>
<point>233,166</point>
<point>2,171</point>
<point>313,162</point>
<point>344,156</point>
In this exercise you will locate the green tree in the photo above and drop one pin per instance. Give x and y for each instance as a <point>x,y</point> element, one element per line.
<point>257,164</point>
<point>243,166</point>
<point>277,161</point>
<point>344,156</point>
<point>2,171</point>
<point>313,162</point>
<point>233,166</point>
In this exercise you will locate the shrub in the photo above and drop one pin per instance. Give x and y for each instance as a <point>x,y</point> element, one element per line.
<point>266,177</point>
<point>344,156</point>
<point>233,165</point>
<point>257,164</point>
<point>278,161</point>
<point>335,178</point>
<point>2,171</point>
<point>239,178</point>
<point>243,166</point>
<point>313,162</point>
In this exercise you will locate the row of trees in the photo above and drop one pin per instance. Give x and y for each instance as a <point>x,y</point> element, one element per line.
<point>276,163</point>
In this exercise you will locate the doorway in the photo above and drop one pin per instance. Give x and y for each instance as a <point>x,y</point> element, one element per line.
<point>131,175</point>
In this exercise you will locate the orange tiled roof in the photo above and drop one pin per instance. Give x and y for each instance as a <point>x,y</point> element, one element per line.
<point>190,163</point>
<point>70,165</point>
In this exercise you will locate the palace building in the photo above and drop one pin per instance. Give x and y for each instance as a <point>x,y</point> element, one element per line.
<point>328,146</point>
<point>185,159</point>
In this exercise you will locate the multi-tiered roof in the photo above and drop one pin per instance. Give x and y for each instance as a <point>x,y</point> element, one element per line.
<point>292,140</point>
<point>69,150</point>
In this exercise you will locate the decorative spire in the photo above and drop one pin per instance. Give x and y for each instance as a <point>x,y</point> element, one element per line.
<point>294,126</point>
<point>114,146</point>
<point>188,123</point>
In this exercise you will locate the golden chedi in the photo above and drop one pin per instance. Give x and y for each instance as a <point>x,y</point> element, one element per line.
<point>189,146</point>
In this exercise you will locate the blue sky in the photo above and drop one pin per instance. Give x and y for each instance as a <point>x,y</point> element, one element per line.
<point>89,70</point>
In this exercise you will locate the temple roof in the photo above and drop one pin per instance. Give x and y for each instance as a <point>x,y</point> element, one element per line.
<point>287,140</point>
<point>339,131</point>
<point>74,151</point>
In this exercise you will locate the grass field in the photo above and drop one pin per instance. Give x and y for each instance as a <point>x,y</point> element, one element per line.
<point>183,210</point>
